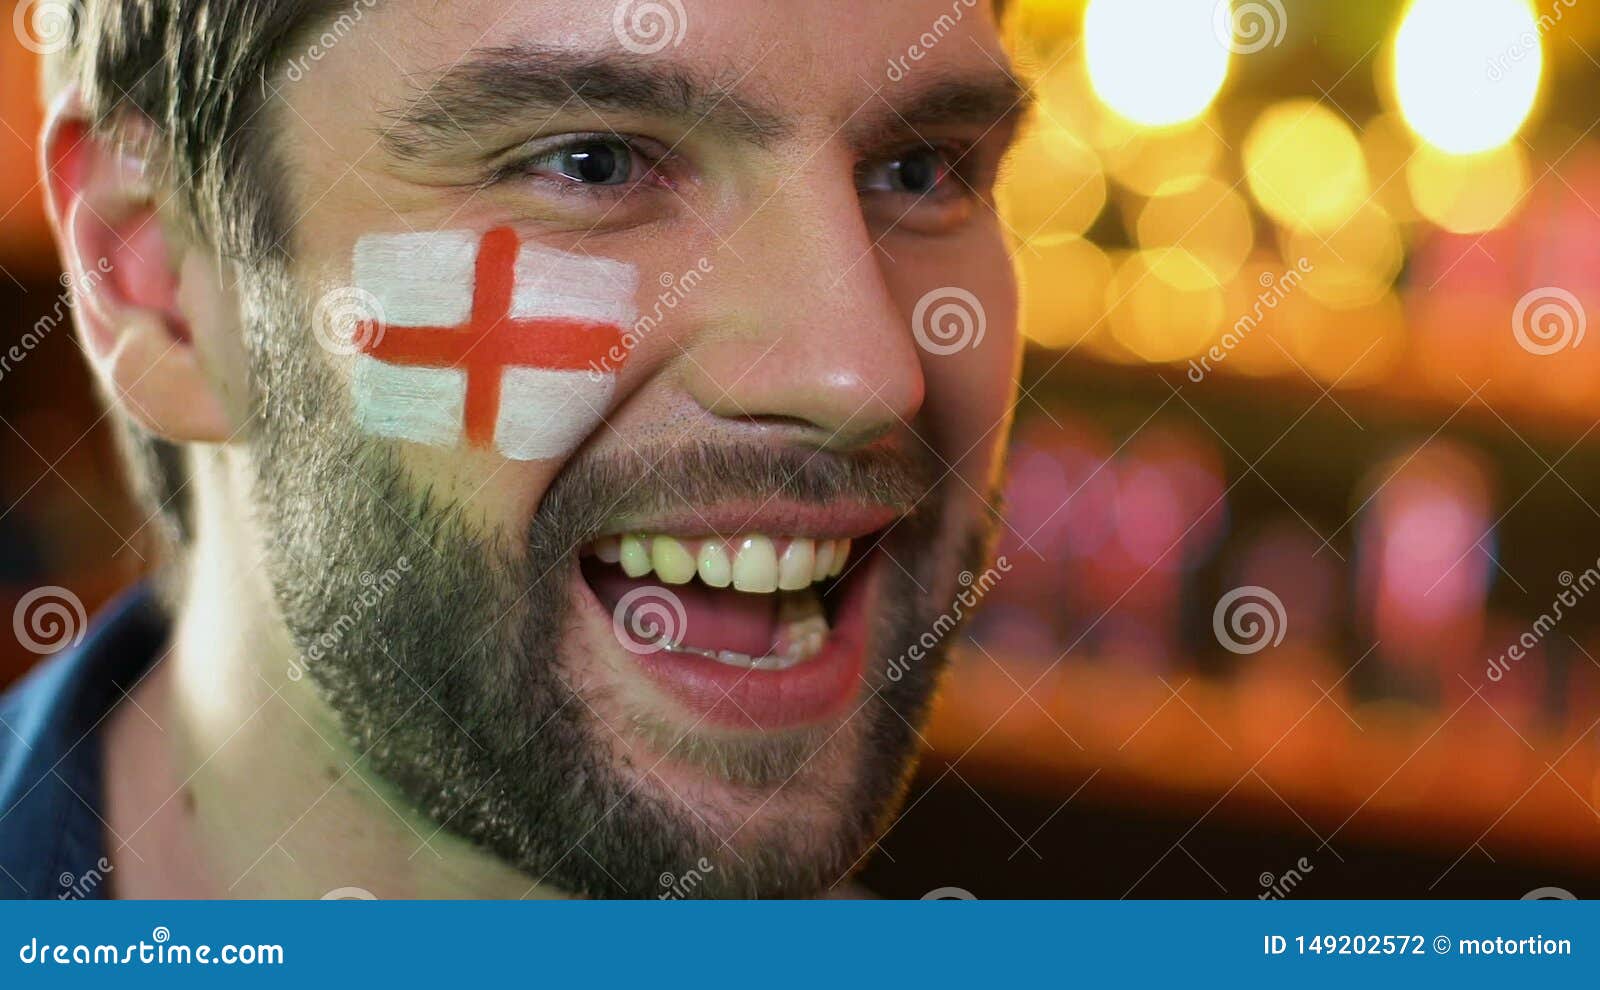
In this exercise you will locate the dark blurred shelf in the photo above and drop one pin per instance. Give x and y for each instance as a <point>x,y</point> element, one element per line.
<point>1274,402</point>
<point>1406,777</point>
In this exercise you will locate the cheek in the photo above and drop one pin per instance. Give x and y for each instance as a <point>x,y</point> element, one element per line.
<point>483,342</point>
<point>490,360</point>
<point>971,391</point>
<point>497,496</point>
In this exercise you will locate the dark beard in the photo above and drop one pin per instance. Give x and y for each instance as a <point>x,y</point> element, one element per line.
<point>445,669</point>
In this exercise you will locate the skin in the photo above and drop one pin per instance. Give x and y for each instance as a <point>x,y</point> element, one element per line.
<point>226,775</point>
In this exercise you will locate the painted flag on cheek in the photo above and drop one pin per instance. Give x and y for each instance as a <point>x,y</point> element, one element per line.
<point>487,341</point>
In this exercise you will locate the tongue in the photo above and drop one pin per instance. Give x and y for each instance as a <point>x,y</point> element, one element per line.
<point>716,618</point>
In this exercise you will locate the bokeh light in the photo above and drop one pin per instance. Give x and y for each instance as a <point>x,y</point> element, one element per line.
<point>1466,72</point>
<point>1389,146</point>
<point>1164,304</point>
<point>1468,194</point>
<point>1156,62</point>
<point>1208,219</point>
<point>1305,166</point>
<point>1170,159</point>
<point>1353,264</point>
<point>1064,282</point>
<point>1053,184</point>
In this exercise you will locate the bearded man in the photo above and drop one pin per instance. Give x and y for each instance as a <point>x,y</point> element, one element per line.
<point>564,415</point>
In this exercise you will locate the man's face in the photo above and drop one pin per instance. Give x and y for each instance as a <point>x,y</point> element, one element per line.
<point>661,641</point>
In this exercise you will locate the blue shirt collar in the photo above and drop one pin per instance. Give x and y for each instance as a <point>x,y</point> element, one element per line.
<point>52,829</point>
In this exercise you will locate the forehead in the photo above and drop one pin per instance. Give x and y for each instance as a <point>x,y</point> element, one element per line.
<point>812,61</point>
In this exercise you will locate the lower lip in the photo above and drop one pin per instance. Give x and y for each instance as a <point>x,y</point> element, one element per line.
<point>807,694</point>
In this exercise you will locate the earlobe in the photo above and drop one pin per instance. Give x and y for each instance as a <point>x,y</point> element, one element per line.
<point>122,264</point>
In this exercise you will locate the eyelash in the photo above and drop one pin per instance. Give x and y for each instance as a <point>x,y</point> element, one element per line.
<point>958,158</point>
<point>527,165</point>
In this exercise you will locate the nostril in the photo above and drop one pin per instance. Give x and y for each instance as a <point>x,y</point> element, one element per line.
<point>796,423</point>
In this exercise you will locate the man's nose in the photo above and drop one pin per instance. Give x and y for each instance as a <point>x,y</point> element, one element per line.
<point>810,335</point>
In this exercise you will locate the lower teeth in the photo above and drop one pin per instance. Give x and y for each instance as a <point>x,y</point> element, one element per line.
<point>802,629</point>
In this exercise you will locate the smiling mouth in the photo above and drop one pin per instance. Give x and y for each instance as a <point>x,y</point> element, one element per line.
<point>753,631</point>
<point>755,602</point>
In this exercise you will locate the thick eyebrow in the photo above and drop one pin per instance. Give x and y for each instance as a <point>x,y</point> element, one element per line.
<point>491,86</point>
<point>984,99</point>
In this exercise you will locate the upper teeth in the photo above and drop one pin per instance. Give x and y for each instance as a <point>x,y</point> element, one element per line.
<point>748,563</point>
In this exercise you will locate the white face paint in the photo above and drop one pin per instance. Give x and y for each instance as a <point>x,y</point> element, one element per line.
<point>486,341</point>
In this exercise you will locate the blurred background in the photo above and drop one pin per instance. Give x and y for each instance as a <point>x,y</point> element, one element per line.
<point>1304,504</point>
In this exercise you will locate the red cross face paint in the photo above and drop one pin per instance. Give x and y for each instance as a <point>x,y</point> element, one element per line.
<point>488,341</point>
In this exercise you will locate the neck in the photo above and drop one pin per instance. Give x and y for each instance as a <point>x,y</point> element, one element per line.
<point>228,776</point>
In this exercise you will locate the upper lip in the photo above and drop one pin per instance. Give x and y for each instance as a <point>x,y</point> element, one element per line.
<point>775,517</point>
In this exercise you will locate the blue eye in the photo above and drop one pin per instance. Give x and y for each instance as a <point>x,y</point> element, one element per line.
<point>588,161</point>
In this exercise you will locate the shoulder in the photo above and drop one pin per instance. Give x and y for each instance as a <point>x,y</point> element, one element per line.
<point>31,753</point>
<point>50,764</point>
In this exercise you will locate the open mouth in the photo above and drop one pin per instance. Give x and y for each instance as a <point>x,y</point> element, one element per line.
<point>754,631</point>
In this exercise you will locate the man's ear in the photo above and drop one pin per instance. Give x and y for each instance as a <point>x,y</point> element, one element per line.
<point>123,271</point>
